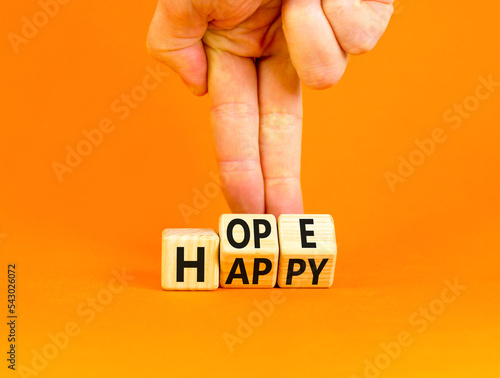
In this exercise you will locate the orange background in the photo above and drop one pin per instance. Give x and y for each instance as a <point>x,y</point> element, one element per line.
<point>395,248</point>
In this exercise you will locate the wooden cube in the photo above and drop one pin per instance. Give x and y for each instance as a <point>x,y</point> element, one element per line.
<point>249,250</point>
<point>190,259</point>
<point>308,250</point>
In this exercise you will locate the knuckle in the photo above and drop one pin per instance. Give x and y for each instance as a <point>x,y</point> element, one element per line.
<point>286,180</point>
<point>280,122</point>
<point>236,166</point>
<point>234,110</point>
<point>279,129</point>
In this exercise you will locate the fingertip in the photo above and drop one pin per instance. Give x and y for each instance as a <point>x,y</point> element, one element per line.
<point>244,190</point>
<point>283,196</point>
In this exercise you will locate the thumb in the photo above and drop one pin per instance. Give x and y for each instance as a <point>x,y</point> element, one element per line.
<point>174,39</point>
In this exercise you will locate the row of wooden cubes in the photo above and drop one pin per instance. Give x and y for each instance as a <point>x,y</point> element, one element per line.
<point>251,251</point>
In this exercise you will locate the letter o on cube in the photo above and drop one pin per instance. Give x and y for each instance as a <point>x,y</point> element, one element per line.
<point>249,250</point>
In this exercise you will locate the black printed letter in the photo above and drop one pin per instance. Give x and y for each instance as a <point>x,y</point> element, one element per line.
<point>291,272</point>
<point>246,232</point>
<point>256,269</point>
<point>261,235</point>
<point>198,264</point>
<point>304,233</point>
<point>317,271</point>
<point>232,274</point>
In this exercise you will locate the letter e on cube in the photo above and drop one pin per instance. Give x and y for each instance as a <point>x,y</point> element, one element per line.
<point>308,250</point>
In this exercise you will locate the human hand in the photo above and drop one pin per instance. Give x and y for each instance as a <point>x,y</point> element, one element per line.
<point>249,55</point>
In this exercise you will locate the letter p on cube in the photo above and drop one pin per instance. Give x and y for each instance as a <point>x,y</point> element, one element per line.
<point>308,250</point>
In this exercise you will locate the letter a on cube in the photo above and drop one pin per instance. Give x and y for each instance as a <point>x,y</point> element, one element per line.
<point>190,259</point>
<point>308,250</point>
<point>249,250</point>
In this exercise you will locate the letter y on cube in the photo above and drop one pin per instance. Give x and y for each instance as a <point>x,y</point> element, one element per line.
<point>308,250</point>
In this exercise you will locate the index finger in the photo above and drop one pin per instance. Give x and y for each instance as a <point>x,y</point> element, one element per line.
<point>280,103</point>
<point>234,115</point>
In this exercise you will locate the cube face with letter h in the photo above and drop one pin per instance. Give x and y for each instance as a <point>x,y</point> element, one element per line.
<point>308,250</point>
<point>249,250</point>
<point>190,259</point>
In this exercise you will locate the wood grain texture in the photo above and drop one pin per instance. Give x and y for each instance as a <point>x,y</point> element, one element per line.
<point>268,249</point>
<point>190,239</point>
<point>292,247</point>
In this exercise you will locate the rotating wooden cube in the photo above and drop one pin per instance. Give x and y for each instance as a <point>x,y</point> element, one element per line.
<point>249,250</point>
<point>308,250</point>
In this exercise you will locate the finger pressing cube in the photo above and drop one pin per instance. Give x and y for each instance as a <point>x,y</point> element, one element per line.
<point>308,250</point>
<point>190,259</point>
<point>249,250</point>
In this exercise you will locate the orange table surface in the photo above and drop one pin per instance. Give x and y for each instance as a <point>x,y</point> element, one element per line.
<point>416,283</point>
